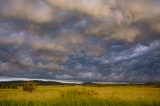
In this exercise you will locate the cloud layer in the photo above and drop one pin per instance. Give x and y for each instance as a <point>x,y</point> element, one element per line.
<point>112,17</point>
<point>100,40</point>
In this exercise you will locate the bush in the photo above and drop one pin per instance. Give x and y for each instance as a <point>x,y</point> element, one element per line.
<point>76,93</point>
<point>29,86</point>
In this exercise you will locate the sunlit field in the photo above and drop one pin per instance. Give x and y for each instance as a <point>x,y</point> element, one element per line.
<point>63,95</point>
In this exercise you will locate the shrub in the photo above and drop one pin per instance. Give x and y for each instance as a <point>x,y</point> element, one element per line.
<point>29,86</point>
<point>76,93</point>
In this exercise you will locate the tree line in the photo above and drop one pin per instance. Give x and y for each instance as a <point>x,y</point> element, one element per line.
<point>26,86</point>
<point>8,86</point>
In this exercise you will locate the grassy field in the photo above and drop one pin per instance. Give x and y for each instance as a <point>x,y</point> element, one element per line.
<point>82,96</point>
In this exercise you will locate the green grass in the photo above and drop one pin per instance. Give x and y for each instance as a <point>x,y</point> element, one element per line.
<point>82,96</point>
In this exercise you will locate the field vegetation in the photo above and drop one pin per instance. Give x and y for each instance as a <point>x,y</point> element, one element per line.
<point>82,95</point>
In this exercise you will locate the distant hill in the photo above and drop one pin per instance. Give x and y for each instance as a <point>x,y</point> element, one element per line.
<point>42,83</point>
<point>45,82</point>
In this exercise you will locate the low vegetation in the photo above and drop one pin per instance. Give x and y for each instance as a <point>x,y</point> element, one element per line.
<point>78,95</point>
<point>8,86</point>
<point>29,86</point>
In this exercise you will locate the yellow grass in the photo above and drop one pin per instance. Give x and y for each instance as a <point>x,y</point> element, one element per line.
<point>53,93</point>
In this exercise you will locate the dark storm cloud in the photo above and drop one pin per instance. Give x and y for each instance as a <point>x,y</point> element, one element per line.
<point>100,40</point>
<point>114,18</point>
<point>137,64</point>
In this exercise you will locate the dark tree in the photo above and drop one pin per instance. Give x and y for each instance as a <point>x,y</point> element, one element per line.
<point>29,86</point>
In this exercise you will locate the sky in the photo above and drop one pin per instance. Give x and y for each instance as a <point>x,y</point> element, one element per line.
<point>84,40</point>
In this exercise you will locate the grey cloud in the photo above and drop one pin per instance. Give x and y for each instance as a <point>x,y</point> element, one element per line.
<point>132,65</point>
<point>115,18</point>
<point>33,10</point>
<point>142,67</point>
<point>100,40</point>
<point>57,44</point>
